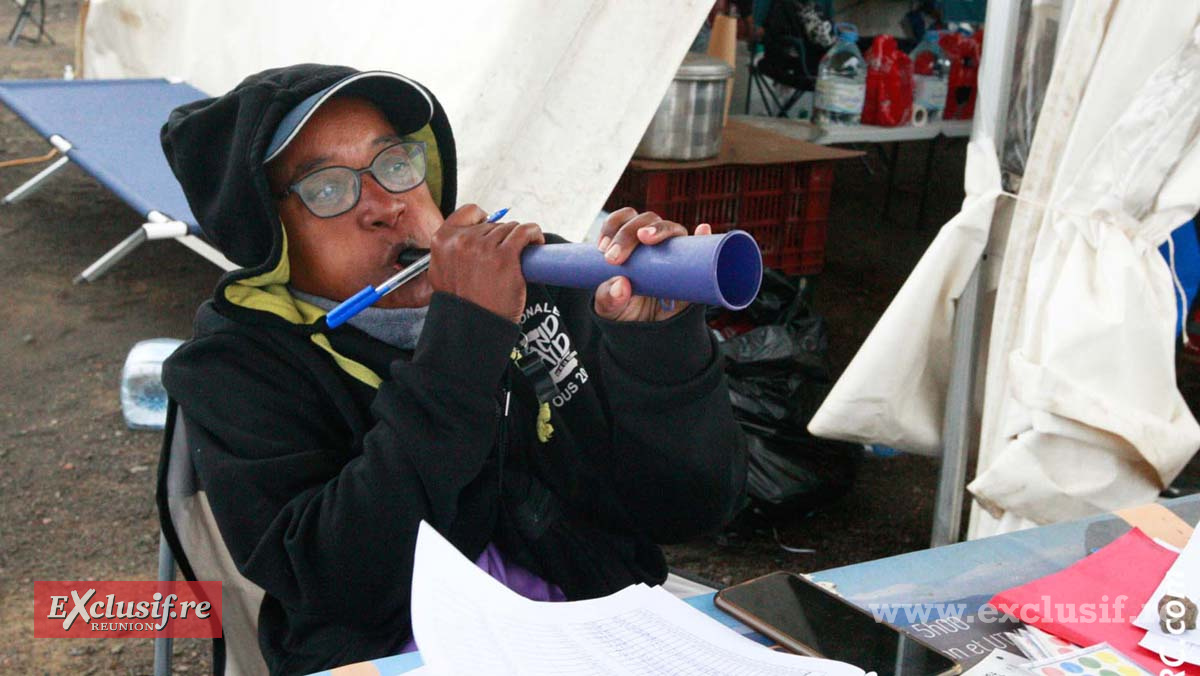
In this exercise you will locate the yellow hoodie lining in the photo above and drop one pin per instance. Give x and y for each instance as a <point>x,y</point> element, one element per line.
<point>268,292</point>
<point>433,162</point>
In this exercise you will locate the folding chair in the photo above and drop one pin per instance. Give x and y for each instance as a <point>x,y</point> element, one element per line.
<point>189,537</point>
<point>23,16</point>
<point>110,129</point>
<point>786,58</point>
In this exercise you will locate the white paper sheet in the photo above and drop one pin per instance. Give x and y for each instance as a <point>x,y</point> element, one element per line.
<point>999,663</point>
<point>1183,580</point>
<point>465,622</point>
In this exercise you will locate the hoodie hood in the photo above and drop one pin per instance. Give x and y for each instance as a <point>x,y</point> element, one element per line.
<point>216,148</point>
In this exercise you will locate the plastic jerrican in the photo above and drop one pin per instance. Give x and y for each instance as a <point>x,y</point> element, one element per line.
<point>143,398</point>
<point>841,81</point>
<point>931,76</point>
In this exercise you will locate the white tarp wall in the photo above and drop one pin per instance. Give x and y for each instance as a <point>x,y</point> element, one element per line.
<point>548,98</point>
<point>1081,411</point>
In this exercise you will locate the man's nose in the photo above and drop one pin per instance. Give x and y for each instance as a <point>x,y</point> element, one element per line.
<point>377,207</point>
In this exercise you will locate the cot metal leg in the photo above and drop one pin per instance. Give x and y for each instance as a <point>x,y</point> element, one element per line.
<point>166,573</point>
<point>28,187</point>
<point>207,251</point>
<point>60,144</point>
<point>158,227</point>
<point>112,256</point>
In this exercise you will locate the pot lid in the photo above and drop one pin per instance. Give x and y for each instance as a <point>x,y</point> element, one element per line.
<point>703,67</point>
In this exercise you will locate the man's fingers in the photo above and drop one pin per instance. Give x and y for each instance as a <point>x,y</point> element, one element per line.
<point>625,229</point>
<point>466,215</point>
<point>612,224</point>
<point>612,297</point>
<point>496,233</point>
<point>626,239</point>
<point>523,235</point>
<point>657,232</point>
<point>704,229</point>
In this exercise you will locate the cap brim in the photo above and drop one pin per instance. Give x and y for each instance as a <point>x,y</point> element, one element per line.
<point>405,103</point>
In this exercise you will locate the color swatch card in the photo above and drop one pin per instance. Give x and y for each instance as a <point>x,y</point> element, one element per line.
<point>1098,660</point>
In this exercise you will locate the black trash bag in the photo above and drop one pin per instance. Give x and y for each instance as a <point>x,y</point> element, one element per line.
<point>774,349</point>
<point>787,477</point>
<point>782,403</point>
<point>778,374</point>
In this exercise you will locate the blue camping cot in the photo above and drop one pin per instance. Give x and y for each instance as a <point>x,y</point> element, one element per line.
<point>109,128</point>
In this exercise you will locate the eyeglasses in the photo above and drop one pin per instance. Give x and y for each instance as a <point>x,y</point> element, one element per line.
<point>333,191</point>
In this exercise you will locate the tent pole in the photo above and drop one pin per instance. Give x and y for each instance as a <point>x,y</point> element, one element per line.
<point>991,114</point>
<point>957,426</point>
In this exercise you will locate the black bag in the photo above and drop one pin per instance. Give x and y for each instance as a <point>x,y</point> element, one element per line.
<point>778,375</point>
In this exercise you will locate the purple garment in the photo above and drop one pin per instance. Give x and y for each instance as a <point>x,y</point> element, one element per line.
<point>512,576</point>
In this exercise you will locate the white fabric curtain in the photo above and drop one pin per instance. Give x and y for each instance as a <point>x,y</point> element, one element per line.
<point>1081,411</point>
<point>548,99</point>
<point>894,390</point>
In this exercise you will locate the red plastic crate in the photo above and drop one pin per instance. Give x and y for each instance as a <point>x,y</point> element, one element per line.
<point>784,206</point>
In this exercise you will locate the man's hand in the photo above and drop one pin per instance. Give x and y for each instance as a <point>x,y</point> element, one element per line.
<point>623,231</point>
<point>481,262</point>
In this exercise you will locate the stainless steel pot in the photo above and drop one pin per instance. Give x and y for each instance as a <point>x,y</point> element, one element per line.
<point>687,124</point>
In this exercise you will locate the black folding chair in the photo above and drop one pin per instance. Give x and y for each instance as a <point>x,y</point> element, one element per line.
<point>787,58</point>
<point>23,16</point>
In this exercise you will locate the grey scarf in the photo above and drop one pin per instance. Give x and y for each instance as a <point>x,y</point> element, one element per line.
<point>398,327</point>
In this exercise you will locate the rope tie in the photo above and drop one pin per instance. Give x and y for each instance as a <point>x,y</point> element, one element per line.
<point>30,160</point>
<point>1123,223</point>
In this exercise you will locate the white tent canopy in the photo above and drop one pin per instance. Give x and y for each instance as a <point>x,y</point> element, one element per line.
<point>1081,410</point>
<point>1081,413</point>
<point>547,99</point>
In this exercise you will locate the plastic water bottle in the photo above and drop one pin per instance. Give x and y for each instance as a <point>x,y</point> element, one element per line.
<point>143,398</point>
<point>931,76</point>
<point>841,81</point>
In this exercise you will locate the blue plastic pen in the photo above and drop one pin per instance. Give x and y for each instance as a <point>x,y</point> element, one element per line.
<point>368,296</point>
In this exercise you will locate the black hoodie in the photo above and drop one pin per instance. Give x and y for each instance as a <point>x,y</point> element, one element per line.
<point>321,450</point>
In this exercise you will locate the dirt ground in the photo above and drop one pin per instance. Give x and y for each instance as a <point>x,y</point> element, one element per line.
<point>76,486</point>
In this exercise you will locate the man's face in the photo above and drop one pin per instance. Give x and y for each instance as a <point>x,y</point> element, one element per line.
<point>339,256</point>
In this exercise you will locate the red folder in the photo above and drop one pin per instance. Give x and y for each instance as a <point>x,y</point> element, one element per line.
<point>1097,598</point>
